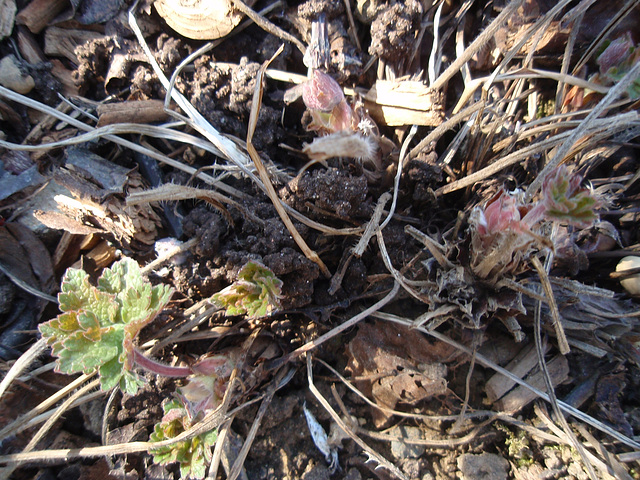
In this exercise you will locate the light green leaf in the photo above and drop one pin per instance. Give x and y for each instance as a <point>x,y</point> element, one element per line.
<point>256,293</point>
<point>99,324</point>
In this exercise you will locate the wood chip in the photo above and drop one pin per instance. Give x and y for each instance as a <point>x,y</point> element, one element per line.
<point>28,46</point>
<point>143,111</point>
<point>522,364</point>
<point>7,17</point>
<point>521,396</point>
<point>406,102</point>
<point>62,42</point>
<point>39,13</point>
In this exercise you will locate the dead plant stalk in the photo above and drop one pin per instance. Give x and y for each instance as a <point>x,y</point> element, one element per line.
<point>264,175</point>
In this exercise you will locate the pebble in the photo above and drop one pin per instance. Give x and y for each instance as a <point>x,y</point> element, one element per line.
<point>631,284</point>
<point>484,466</point>
<point>401,450</point>
<point>12,77</point>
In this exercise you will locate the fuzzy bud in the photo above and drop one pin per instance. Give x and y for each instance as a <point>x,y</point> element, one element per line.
<point>502,214</point>
<point>615,54</point>
<point>321,92</point>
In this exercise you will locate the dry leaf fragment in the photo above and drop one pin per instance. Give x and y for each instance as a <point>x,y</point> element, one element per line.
<point>396,365</point>
<point>24,257</point>
<point>98,187</point>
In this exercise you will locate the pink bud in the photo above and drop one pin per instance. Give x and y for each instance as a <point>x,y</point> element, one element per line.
<point>616,53</point>
<point>500,215</point>
<point>216,365</point>
<point>321,92</point>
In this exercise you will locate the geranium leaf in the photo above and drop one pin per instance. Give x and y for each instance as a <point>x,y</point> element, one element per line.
<point>98,326</point>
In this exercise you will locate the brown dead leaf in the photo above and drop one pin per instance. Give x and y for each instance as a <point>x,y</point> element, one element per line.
<point>99,206</point>
<point>608,394</point>
<point>24,259</point>
<point>395,365</point>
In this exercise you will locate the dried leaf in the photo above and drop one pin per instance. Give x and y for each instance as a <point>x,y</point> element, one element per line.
<point>401,364</point>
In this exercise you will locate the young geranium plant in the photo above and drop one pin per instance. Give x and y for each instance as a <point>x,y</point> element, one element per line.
<point>202,394</point>
<point>97,329</point>
<point>98,324</point>
<point>256,292</point>
<point>503,231</point>
<point>194,454</point>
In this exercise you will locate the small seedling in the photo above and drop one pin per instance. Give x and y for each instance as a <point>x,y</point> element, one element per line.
<point>202,394</point>
<point>194,454</point>
<point>256,292</point>
<point>98,324</point>
<point>615,61</point>
<point>503,231</point>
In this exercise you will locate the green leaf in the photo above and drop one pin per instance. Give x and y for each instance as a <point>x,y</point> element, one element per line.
<point>99,324</point>
<point>194,454</point>
<point>256,293</point>
<point>566,201</point>
<point>130,382</point>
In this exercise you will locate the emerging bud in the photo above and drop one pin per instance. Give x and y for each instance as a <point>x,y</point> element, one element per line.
<point>615,54</point>
<point>502,214</point>
<point>321,92</point>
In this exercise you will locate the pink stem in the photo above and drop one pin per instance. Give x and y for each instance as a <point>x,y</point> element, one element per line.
<point>157,367</point>
<point>534,215</point>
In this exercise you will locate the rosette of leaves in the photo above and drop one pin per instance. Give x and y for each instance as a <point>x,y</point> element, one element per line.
<point>565,201</point>
<point>98,324</point>
<point>256,292</point>
<point>503,231</point>
<point>193,454</point>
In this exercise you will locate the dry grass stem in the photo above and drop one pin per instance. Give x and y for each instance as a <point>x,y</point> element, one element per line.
<point>267,26</point>
<point>253,431</point>
<point>359,249</point>
<point>264,175</point>
<point>588,458</point>
<point>17,424</point>
<point>372,454</point>
<point>20,365</point>
<point>64,406</point>
<point>587,124</point>
<point>615,20</point>
<point>372,225</point>
<point>440,130</point>
<point>563,346</point>
<point>340,328</point>
<point>399,278</point>
<point>396,181</point>
<point>476,45</point>
<point>176,334</point>
<point>494,366</point>
<point>223,431</point>
<point>609,466</point>
<point>553,400</point>
<point>434,247</point>
<point>600,131</point>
